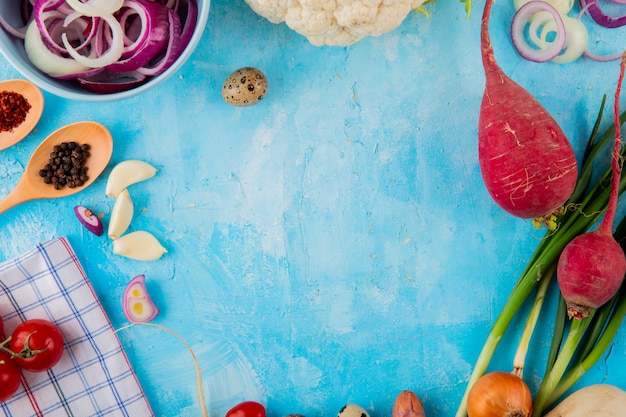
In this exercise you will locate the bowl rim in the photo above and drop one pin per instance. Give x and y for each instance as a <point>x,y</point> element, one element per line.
<point>39,79</point>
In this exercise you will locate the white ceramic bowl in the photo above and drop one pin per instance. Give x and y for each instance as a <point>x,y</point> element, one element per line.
<point>13,50</point>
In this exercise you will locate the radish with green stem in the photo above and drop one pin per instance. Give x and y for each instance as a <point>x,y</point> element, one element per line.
<point>590,198</point>
<point>591,268</point>
<point>527,163</point>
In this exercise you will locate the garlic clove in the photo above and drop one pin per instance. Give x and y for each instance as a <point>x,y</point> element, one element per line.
<point>139,245</point>
<point>121,215</point>
<point>127,173</point>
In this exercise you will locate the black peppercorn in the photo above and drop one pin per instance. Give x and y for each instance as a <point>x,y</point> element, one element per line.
<point>66,166</point>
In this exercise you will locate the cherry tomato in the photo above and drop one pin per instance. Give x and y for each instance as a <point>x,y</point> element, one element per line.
<point>37,344</point>
<point>10,376</point>
<point>247,409</point>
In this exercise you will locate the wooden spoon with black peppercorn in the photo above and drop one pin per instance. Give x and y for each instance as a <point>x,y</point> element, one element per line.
<point>66,162</point>
<point>21,106</point>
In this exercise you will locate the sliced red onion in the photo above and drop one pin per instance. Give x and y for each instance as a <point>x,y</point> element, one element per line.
<point>107,82</point>
<point>18,32</point>
<point>47,22</point>
<point>539,27</point>
<point>603,58</point>
<point>189,24</point>
<point>176,48</point>
<point>47,61</point>
<point>576,41</point>
<point>601,18</point>
<point>137,305</point>
<point>153,37</point>
<point>26,11</point>
<point>89,40</point>
<point>111,55</point>
<point>541,53</point>
<point>95,8</point>
<point>89,219</point>
<point>172,50</point>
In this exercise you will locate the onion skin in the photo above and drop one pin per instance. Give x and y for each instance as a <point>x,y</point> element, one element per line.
<point>408,404</point>
<point>499,394</point>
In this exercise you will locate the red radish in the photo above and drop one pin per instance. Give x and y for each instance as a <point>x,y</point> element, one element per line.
<point>528,165</point>
<point>591,268</point>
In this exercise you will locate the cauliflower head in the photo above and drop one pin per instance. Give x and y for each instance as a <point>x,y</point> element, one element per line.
<point>336,22</point>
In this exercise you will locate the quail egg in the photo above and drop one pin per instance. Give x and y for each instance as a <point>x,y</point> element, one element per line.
<point>352,410</point>
<point>244,87</point>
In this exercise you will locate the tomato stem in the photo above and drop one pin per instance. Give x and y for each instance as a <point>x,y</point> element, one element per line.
<point>26,351</point>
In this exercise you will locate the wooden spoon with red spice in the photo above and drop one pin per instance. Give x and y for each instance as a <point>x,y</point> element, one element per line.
<point>32,185</point>
<point>21,106</point>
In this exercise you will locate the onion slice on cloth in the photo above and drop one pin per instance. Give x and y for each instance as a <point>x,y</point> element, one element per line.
<point>529,14</point>
<point>106,46</point>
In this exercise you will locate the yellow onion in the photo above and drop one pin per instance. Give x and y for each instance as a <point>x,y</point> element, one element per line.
<point>499,394</point>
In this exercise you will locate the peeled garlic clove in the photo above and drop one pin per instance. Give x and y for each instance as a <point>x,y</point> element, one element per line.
<point>121,215</point>
<point>127,173</point>
<point>139,245</point>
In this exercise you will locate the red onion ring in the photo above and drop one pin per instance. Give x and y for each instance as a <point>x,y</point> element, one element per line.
<point>172,50</point>
<point>518,26</point>
<point>107,82</point>
<point>153,38</point>
<point>601,18</point>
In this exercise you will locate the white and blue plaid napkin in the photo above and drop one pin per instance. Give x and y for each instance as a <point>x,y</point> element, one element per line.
<point>94,377</point>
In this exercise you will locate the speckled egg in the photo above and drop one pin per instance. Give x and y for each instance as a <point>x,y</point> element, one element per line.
<point>244,87</point>
<point>352,410</point>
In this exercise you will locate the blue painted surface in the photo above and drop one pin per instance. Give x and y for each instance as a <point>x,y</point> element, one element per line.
<point>332,244</point>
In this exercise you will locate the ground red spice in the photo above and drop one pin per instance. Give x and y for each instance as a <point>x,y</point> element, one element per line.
<point>13,110</point>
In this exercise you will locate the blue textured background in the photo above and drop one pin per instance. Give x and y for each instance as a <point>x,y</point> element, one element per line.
<point>332,244</point>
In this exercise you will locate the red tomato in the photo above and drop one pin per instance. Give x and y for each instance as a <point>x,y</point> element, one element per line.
<point>37,344</point>
<point>247,409</point>
<point>10,376</point>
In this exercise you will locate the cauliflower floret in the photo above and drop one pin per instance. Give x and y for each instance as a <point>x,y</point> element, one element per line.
<point>336,22</point>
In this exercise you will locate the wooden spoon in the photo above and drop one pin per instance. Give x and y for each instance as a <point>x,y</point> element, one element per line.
<point>33,95</point>
<point>31,186</point>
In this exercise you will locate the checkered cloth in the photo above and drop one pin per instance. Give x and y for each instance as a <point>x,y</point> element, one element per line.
<point>93,377</point>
